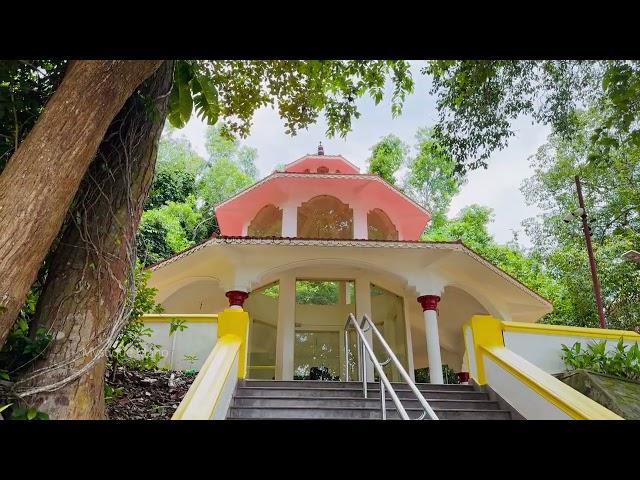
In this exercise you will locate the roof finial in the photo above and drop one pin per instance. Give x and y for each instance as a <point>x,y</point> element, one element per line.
<point>320,149</point>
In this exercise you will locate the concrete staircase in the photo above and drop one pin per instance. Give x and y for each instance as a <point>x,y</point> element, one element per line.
<point>273,399</point>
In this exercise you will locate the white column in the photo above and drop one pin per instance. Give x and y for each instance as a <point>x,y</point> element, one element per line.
<point>429,305</point>
<point>285,333</point>
<point>360,229</point>
<point>363,306</point>
<point>290,220</point>
<point>407,325</point>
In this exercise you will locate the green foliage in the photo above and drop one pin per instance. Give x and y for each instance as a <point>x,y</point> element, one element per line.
<point>130,348</point>
<point>177,169</point>
<point>623,361</point>
<point>449,375</point>
<point>233,90</point>
<point>180,210</point>
<point>20,349</point>
<point>191,359</point>
<point>470,226</point>
<point>612,200</point>
<point>387,156</point>
<point>25,87</point>
<point>478,99</point>
<point>316,292</point>
<point>177,325</point>
<point>432,179</point>
<point>112,394</point>
<point>28,413</point>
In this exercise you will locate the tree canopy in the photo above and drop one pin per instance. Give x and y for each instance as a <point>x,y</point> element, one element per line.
<point>477,101</point>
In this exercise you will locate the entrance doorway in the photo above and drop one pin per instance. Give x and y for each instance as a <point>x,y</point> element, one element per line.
<point>322,307</point>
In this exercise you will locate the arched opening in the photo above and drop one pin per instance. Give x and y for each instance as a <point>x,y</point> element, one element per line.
<point>325,216</point>
<point>323,169</point>
<point>380,226</point>
<point>266,223</point>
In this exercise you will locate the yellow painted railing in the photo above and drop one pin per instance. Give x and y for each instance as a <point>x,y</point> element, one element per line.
<point>544,329</point>
<point>188,318</point>
<point>211,391</point>
<point>488,344</point>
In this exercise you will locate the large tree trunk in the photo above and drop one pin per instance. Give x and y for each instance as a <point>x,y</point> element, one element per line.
<point>43,175</point>
<point>88,291</point>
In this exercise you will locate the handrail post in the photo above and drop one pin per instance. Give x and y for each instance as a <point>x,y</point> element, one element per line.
<point>363,360</point>
<point>383,404</point>
<point>346,355</point>
<point>423,402</point>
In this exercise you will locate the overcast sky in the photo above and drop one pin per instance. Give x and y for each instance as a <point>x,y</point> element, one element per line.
<point>496,187</point>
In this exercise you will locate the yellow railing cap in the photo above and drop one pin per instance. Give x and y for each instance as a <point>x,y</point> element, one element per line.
<point>546,329</point>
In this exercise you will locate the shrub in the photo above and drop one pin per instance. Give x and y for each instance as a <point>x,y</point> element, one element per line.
<point>449,375</point>
<point>622,361</point>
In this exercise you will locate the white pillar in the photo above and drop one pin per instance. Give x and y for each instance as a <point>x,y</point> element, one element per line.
<point>408,338</point>
<point>429,305</point>
<point>285,333</point>
<point>290,220</point>
<point>360,229</point>
<point>363,306</point>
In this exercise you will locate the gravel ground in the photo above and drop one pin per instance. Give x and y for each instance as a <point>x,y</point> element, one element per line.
<point>148,395</point>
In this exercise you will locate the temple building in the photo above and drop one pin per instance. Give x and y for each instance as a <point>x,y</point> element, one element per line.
<point>303,248</point>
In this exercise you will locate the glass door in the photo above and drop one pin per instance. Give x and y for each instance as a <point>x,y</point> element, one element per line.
<point>317,355</point>
<point>322,307</point>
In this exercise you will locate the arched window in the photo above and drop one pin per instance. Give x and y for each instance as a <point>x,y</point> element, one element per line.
<point>325,216</point>
<point>380,226</point>
<point>266,223</point>
<point>323,169</point>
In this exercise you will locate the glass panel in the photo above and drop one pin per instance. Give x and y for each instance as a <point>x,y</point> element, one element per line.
<point>262,306</point>
<point>354,374</point>
<point>316,355</point>
<point>387,312</point>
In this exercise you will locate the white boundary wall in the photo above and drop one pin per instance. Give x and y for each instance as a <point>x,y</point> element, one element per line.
<point>197,339</point>
<point>545,350</point>
<point>529,403</point>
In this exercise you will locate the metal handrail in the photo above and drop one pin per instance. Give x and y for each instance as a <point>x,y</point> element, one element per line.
<point>384,381</point>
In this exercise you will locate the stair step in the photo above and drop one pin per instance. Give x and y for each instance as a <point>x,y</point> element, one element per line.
<point>358,385</point>
<point>355,413</point>
<point>299,392</point>
<point>340,402</point>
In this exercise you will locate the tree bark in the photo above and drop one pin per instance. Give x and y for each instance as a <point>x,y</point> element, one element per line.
<point>89,284</point>
<point>43,175</point>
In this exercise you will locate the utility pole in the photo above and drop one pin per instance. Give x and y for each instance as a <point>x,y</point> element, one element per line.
<point>592,261</point>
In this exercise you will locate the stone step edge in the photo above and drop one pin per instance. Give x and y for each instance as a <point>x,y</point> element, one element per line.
<point>389,400</point>
<point>410,409</point>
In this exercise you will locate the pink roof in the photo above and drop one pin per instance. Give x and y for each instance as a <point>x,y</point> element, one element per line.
<point>278,188</point>
<point>312,162</point>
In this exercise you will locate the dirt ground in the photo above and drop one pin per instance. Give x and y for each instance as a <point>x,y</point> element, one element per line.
<point>145,395</point>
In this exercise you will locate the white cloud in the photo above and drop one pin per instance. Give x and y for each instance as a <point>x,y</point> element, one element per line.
<point>497,187</point>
